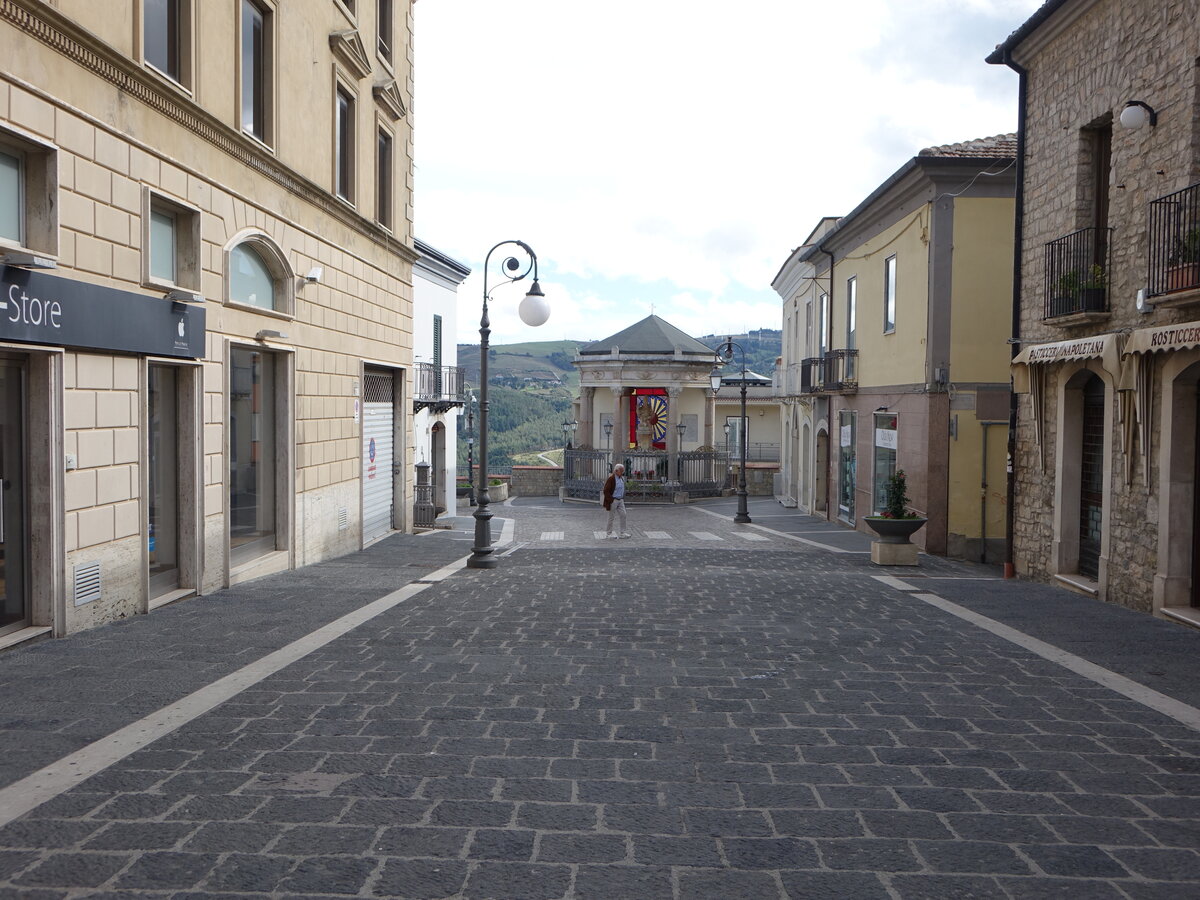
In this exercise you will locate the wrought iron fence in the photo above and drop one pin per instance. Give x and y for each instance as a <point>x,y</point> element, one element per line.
<point>440,384</point>
<point>704,473</point>
<point>1077,273</point>
<point>1174,259</point>
<point>701,474</point>
<point>837,370</point>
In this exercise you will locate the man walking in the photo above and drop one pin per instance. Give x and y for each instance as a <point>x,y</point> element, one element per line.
<point>614,500</point>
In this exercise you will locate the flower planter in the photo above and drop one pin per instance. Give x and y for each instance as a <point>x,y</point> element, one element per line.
<point>894,547</point>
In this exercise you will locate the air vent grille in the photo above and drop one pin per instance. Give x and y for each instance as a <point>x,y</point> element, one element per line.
<point>87,583</point>
<point>343,518</point>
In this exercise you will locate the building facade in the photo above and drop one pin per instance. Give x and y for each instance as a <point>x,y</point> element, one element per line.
<point>440,391</point>
<point>205,231</point>
<point>899,364</point>
<point>1105,457</point>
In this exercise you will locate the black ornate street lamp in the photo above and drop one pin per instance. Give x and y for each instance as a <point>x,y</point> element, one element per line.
<point>471,450</point>
<point>534,311</point>
<point>725,353</point>
<point>568,428</point>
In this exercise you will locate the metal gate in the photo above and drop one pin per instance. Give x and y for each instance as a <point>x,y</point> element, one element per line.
<point>378,454</point>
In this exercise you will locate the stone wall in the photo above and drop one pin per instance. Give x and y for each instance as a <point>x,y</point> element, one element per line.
<point>536,481</point>
<point>1082,71</point>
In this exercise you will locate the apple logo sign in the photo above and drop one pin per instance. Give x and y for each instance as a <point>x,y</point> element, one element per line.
<point>181,330</point>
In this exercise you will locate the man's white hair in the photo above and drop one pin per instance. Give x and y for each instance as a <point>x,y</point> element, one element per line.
<point>620,466</point>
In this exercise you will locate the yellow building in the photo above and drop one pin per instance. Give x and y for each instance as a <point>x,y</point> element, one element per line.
<point>205,231</point>
<point>903,355</point>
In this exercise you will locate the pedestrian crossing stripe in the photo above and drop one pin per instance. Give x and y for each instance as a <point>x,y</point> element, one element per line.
<point>704,535</point>
<point>552,535</point>
<point>598,535</point>
<point>659,535</point>
<point>746,536</point>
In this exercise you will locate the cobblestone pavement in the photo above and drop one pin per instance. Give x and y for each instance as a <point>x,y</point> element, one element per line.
<point>675,717</point>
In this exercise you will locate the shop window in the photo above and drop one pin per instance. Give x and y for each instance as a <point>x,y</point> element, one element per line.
<point>847,463</point>
<point>259,277</point>
<point>885,458</point>
<point>170,243</point>
<point>253,428</point>
<point>28,195</point>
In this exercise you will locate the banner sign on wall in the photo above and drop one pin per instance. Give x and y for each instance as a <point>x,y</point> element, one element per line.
<point>44,309</point>
<point>885,437</point>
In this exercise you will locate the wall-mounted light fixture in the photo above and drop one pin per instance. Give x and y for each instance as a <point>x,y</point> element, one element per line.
<point>314,275</point>
<point>178,296</point>
<point>268,335</point>
<point>27,260</point>
<point>1137,113</point>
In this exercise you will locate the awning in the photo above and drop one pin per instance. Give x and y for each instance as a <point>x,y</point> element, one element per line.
<point>1102,346</point>
<point>1185,336</point>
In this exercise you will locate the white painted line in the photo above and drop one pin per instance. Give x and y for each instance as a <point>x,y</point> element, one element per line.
<point>746,536</point>
<point>552,535</point>
<point>784,534</point>
<point>659,535</point>
<point>705,536</point>
<point>1180,712</point>
<point>507,532</point>
<point>32,791</point>
<point>896,583</point>
<point>598,535</point>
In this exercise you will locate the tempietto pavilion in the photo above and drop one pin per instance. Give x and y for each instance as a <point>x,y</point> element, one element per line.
<point>645,400</point>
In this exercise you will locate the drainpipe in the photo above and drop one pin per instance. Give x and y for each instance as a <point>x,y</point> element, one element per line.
<point>1018,246</point>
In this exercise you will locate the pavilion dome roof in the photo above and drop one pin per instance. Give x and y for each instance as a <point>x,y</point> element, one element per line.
<point>651,336</point>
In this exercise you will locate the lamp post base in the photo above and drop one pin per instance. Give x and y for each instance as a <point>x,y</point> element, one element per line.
<point>483,560</point>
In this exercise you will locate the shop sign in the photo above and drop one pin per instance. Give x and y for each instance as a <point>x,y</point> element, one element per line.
<point>847,435</point>
<point>44,309</point>
<point>885,437</point>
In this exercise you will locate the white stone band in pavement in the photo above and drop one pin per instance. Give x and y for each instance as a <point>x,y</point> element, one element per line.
<point>32,791</point>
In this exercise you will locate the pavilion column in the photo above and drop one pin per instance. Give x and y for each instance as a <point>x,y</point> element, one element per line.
<point>710,416</point>
<point>621,424</point>
<point>673,439</point>
<point>587,405</point>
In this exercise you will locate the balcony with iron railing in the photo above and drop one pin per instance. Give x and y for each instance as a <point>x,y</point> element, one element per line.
<point>1174,248</point>
<point>439,387</point>
<point>1077,277</point>
<point>835,372</point>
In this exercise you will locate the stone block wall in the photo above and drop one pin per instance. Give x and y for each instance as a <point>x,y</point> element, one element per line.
<point>536,481</point>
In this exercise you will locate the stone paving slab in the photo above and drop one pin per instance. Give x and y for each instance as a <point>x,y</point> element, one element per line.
<point>618,720</point>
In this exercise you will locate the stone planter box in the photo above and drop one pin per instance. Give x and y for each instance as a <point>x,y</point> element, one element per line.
<point>498,493</point>
<point>894,547</point>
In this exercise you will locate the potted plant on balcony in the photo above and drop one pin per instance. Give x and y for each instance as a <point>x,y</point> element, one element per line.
<point>1183,265</point>
<point>895,525</point>
<point>1065,299</point>
<point>1093,290</point>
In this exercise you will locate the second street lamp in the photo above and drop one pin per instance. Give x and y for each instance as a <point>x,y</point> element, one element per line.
<point>725,353</point>
<point>534,311</point>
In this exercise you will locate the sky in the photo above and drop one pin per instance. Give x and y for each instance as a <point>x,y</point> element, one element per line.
<point>667,156</point>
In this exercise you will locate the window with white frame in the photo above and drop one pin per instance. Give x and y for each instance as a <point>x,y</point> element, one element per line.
<point>889,294</point>
<point>255,71</point>
<point>885,458</point>
<point>166,37</point>
<point>851,372</point>
<point>343,150</point>
<point>28,194</point>
<point>170,243</point>
<point>258,276</point>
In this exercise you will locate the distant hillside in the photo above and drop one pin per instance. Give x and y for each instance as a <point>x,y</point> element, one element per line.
<point>762,347</point>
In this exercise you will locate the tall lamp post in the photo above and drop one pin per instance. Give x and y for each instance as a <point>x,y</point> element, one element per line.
<point>471,450</point>
<point>534,311</point>
<point>725,353</point>
<point>568,428</point>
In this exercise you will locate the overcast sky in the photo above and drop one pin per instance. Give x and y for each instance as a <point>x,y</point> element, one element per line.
<point>667,155</point>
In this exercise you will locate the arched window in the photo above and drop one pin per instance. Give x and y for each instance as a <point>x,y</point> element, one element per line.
<point>258,276</point>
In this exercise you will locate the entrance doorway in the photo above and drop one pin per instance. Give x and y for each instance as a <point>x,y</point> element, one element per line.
<point>378,454</point>
<point>1091,478</point>
<point>14,601</point>
<point>1196,505</point>
<point>163,463</point>
<point>437,452</point>
<point>821,475</point>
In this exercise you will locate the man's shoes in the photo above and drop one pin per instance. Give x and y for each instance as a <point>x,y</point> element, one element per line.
<point>609,536</point>
<point>626,534</point>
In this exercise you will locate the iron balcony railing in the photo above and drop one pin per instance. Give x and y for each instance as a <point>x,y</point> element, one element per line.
<point>439,386</point>
<point>837,370</point>
<point>1174,259</point>
<point>1077,273</point>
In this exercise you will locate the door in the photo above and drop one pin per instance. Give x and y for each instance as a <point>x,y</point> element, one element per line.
<point>437,477</point>
<point>1091,478</point>
<point>847,463</point>
<point>1196,507</point>
<point>163,458</point>
<point>14,605</point>
<point>378,454</point>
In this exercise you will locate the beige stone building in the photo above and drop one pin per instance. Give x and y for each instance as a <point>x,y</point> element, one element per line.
<point>205,231</point>
<point>1108,323</point>
<point>894,355</point>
